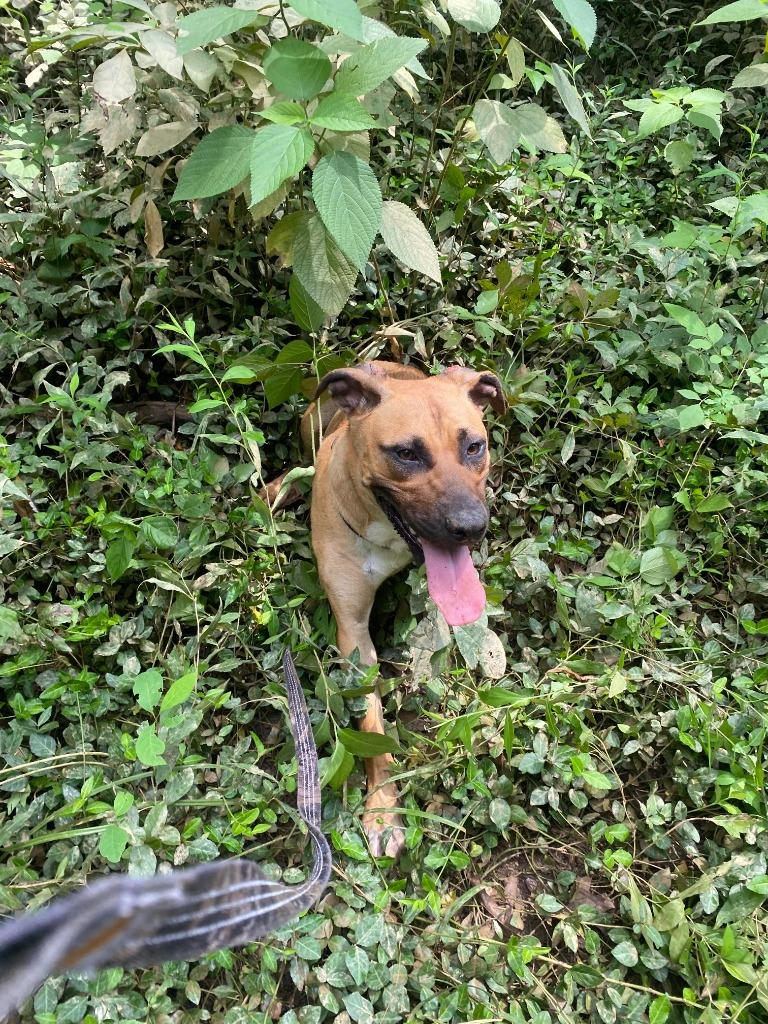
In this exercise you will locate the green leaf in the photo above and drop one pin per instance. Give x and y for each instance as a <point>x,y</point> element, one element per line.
<point>738,906</point>
<point>322,268</point>
<point>407,239</point>
<point>179,690</point>
<point>149,747</point>
<point>687,319</point>
<point>497,128</point>
<point>679,155</point>
<point>184,350</point>
<point>367,744</point>
<point>148,686</point>
<point>570,97</point>
<point>658,566</point>
<point>480,646</point>
<point>742,10</point>
<point>658,1011</point>
<point>337,767</point>
<point>113,842</point>
<point>670,916</point>
<point>659,116</point>
<point>219,162</point>
<point>595,779</point>
<point>359,1008</point>
<point>474,15</point>
<point>9,625</point>
<point>690,416</point>
<point>160,531</point>
<point>118,556</point>
<point>756,75</point>
<point>282,384</point>
<point>374,63</point>
<point>282,237</point>
<point>500,813</point>
<point>714,503</point>
<point>306,312</point>
<point>626,953</point>
<point>340,113</point>
<point>296,69</point>
<point>123,802</point>
<point>348,199</point>
<point>204,26</point>
<point>357,963</point>
<point>580,15</point>
<point>283,113</point>
<point>343,15</point>
<point>296,351</point>
<point>278,152</point>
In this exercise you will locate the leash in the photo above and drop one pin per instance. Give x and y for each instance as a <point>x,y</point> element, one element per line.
<point>138,922</point>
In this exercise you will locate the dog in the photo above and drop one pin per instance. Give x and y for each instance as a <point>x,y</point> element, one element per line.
<point>399,477</point>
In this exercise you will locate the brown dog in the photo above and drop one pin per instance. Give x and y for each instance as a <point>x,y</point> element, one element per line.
<point>400,476</point>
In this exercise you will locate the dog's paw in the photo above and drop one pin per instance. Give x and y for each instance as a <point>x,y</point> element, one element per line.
<point>385,834</point>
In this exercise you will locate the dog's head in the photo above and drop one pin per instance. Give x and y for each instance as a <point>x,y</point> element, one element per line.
<point>422,450</point>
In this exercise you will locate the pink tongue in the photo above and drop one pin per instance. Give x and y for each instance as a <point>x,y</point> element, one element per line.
<point>453,584</point>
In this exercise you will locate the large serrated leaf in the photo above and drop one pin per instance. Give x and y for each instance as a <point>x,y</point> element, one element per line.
<point>297,69</point>
<point>340,113</point>
<point>282,237</point>
<point>343,15</point>
<point>741,10</point>
<point>407,239</point>
<point>348,198</point>
<point>279,151</point>
<point>219,162</point>
<point>204,26</point>
<point>325,272</point>
<point>497,127</point>
<point>306,312</point>
<point>374,63</point>
<point>474,15</point>
<point>580,15</point>
<point>538,129</point>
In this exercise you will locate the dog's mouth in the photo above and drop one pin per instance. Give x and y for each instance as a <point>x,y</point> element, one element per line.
<point>452,579</point>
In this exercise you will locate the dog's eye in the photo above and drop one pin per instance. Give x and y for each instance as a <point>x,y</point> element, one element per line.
<point>476,448</point>
<point>406,455</point>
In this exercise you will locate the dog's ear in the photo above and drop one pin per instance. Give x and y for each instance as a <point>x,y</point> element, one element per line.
<point>356,390</point>
<point>483,388</point>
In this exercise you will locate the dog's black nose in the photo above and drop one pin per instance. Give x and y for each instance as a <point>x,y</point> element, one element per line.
<point>467,525</point>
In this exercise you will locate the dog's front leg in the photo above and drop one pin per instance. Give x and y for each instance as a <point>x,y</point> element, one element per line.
<point>351,595</point>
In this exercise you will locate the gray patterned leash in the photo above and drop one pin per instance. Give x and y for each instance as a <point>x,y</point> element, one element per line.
<point>138,922</point>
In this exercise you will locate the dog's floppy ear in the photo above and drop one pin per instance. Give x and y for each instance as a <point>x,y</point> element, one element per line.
<point>356,390</point>
<point>483,388</point>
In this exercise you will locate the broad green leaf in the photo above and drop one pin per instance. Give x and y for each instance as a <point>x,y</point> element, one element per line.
<point>679,155</point>
<point>282,237</point>
<point>9,625</point>
<point>118,556</point>
<point>113,842</point>
<point>374,63</point>
<point>516,60</point>
<point>626,953</point>
<point>659,116</point>
<point>474,15</point>
<point>219,162</point>
<point>595,779</point>
<point>687,319</point>
<point>538,129</point>
<point>296,351</point>
<point>714,503</point>
<point>580,15</point>
<point>212,23</point>
<point>348,198</point>
<point>148,687</point>
<point>343,15</point>
<point>690,416</point>
<point>658,566</point>
<point>738,906</point>
<point>336,768</point>
<point>296,69</point>
<point>669,916</point>
<point>570,97</point>
<point>179,690</point>
<point>278,152</point>
<point>340,113</point>
<point>306,312</point>
<point>500,813</point>
<point>373,30</point>
<point>283,384</point>
<point>357,962</point>
<point>283,113</point>
<point>481,647</point>
<point>367,744</point>
<point>742,10</point>
<point>359,1008</point>
<point>160,531</point>
<point>325,272</point>
<point>407,239</point>
<point>756,75</point>
<point>149,747</point>
<point>202,67</point>
<point>497,127</point>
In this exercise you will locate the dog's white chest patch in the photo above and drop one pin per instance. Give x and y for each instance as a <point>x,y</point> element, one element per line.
<point>385,553</point>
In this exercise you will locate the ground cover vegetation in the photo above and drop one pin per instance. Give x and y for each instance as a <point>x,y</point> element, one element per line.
<point>205,209</point>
